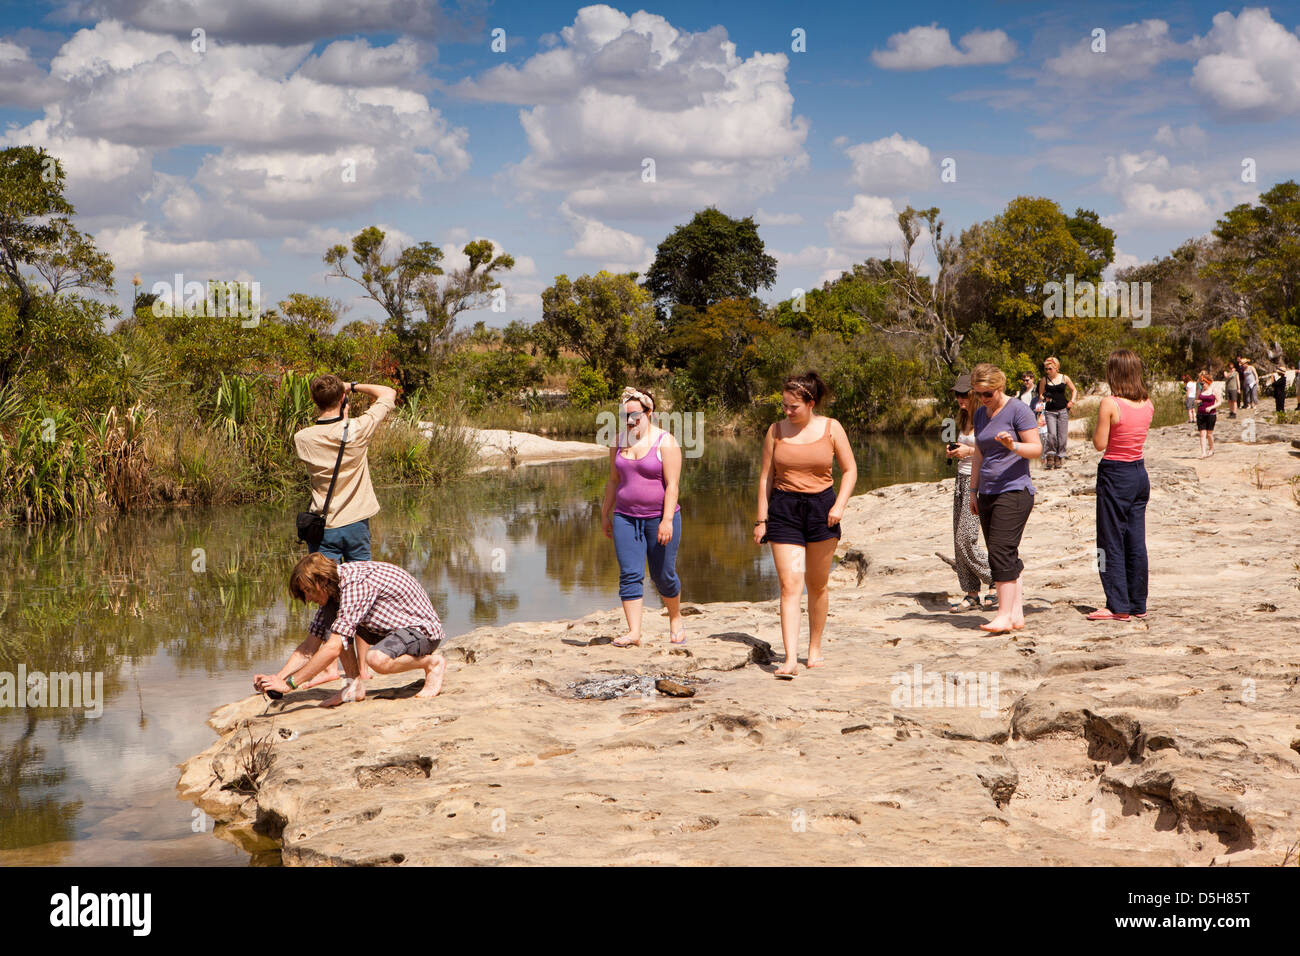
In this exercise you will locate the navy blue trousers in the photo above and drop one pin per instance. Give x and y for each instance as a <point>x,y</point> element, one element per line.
<point>1123,490</point>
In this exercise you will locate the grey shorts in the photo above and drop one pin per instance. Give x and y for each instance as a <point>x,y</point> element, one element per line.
<point>405,640</point>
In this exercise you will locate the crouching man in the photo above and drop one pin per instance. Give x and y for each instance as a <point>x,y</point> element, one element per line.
<point>361,601</point>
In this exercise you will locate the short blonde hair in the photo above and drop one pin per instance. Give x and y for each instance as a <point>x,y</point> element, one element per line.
<point>990,375</point>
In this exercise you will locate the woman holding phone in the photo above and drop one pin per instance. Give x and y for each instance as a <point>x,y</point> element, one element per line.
<point>1002,495</point>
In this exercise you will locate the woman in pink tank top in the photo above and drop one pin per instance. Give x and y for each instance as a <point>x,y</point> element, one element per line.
<point>1123,489</point>
<point>641,514</point>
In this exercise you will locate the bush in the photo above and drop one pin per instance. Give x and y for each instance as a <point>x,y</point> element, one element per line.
<point>589,388</point>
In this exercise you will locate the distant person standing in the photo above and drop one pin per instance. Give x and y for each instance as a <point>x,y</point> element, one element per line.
<point>1250,382</point>
<point>969,560</point>
<point>1002,494</point>
<point>1029,395</point>
<point>1206,414</point>
<point>1231,388</point>
<point>1123,489</point>
<point>1279,389</point>
<point>1190,392</point>
<point>1057,409</point>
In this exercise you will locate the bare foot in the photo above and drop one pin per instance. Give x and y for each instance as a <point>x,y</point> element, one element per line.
<point>999,625</point>
<point>677,637</point>
<point>787,670</point>
<point>816,661</point>
<point>324,677</point>
<point>626,641</point>
<point>433,676</point>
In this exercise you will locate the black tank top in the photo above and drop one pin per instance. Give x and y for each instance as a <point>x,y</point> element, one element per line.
<point>1055,395</point>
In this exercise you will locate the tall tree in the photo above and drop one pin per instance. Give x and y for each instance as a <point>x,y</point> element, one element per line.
<point>1096,240</point>
<point>36,232</point>
<point>606,319</point>
<point>461,290</point>
<point>1259,254</point>
<point>711,258</point>
<point>396,283</point>
<point>1014,255</point>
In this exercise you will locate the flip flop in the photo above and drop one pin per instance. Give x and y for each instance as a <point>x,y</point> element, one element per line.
<point>672,637</point>
<point>1102,614</point>
<point>779,676</point>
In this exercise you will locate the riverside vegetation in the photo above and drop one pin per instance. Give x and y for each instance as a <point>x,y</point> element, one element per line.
<point>105,409</point>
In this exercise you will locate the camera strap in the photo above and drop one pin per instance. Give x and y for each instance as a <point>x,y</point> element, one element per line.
<point>335,477</point>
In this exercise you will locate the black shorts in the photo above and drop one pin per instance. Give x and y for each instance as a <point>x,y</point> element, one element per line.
<point>1204,422</point>
<point>796,517</point>
<point>405,640</point>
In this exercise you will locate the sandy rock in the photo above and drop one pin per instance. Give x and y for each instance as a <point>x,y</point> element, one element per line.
<point>1168,741</point>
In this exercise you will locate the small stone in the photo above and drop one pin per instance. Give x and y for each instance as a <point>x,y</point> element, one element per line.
<point>673,689</point>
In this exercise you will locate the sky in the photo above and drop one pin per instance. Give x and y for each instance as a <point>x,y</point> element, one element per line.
<point>240,139</point>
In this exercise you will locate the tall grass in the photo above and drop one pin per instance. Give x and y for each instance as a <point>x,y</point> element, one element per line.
<point>424,445</point>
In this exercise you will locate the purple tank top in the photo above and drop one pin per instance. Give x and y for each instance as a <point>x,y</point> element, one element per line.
<point>640,484</point>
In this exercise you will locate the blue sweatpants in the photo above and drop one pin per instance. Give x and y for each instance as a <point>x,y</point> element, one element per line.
<point>635,541</point>
<point>1123,490</point>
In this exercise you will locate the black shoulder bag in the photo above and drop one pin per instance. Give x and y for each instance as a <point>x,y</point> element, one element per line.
<point>311,526</point>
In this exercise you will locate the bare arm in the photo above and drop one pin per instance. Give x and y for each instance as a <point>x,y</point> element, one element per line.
<point>764,484</point>
<point>377,391</point>
<point>672,460</point>
<point>848,471</point>
<point>611,491</point>
<point>1074,392</point>
<point>1105,417</point>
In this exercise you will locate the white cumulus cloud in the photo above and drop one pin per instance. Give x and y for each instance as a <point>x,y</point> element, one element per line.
<point>923,48</point>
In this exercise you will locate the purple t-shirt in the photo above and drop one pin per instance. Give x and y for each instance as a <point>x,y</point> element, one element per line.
<point>1000,468</point>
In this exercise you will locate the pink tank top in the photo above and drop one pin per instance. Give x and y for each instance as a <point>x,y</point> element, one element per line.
<point>1129,434</point>
<point>640,484</point>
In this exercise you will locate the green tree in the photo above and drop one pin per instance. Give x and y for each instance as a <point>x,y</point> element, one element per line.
<point>1096,241</point>
<point>1259,254</point>
<point>711,258</point>
<point>1013,256</point>
<point>606,319</point>
<point>464,289</point>
<point>315,314</point>
<point>36,232</point>
<point>395,283</point>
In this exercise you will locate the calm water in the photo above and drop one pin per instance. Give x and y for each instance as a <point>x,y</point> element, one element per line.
<point>177,611</point>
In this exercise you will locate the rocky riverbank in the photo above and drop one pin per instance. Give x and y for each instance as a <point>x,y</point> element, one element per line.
<point>1174,740</point>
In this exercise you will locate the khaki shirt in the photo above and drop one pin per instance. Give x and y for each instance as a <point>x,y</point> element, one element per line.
<point>318,447</point>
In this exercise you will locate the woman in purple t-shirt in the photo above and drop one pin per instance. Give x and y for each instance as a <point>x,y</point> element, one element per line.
<point>1006,438</point>
<point>640,512</point>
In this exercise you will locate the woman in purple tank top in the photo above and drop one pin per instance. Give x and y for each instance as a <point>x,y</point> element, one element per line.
<point>641,514</point>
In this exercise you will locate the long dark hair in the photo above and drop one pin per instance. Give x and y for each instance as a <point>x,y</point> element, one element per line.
<point>808,386</point>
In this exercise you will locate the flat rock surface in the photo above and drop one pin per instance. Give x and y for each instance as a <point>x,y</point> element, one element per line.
<point>1166,741</point>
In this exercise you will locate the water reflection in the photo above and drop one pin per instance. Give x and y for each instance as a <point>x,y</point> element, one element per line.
<point>177,609</point>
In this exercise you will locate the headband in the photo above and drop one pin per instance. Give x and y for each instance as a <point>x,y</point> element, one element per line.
<point>805,389</point>
<point>642,397</point>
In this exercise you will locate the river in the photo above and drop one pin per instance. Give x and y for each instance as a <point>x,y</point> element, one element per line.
<point>177,610</point>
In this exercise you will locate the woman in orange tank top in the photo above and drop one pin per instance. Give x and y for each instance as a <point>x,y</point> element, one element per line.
<point>799,512</point>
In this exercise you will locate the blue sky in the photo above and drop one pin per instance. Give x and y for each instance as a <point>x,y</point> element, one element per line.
<point>229,161</point>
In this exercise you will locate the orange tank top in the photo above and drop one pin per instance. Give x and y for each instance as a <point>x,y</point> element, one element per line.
<point>804,466</point>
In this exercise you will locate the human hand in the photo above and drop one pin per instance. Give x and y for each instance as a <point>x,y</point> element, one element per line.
<point>270,682</point>
<point>607,525</point>
<point>760,530</point>
<point>833,516</point>
<point>974,504</point>
<point>665,531</point>
<point>1005,439</point>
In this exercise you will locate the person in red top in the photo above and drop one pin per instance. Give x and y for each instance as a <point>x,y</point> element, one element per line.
<point>1123,489</point>
<point>368,601</point>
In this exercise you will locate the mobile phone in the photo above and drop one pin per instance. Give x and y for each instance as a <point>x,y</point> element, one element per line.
<point>952,446</point>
